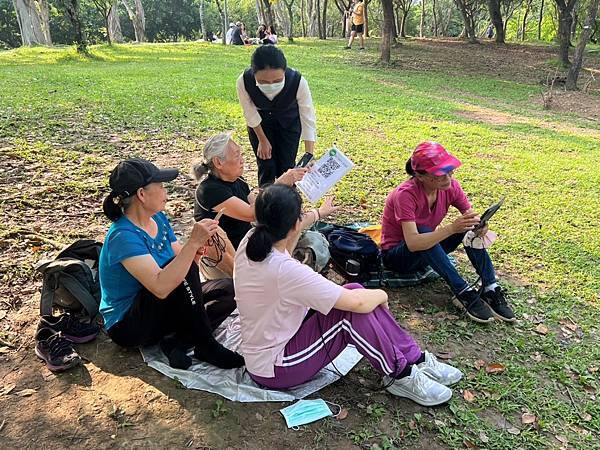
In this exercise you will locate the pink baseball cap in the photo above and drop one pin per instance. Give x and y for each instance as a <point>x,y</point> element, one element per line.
<point>432,158</point>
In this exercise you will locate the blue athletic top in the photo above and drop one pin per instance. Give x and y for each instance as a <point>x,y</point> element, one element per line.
<point>125,240</point>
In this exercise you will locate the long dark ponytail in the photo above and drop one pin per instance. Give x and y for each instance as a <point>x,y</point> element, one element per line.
<point>114,206</point>
<point>278,207</point>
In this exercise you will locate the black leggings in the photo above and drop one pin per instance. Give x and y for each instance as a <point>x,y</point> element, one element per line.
<point>193,310</point>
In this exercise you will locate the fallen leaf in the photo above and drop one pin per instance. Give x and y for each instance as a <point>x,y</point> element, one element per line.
<point>479,364</point>
<point>527,418</point>
<point>2,314</point>
<point>513,430</point>
<point>585,416</point>
<point>537,357</point>
<point>445,355</point>
<point>483,437</point>
<point>439,423</point>
<point>541,329</point>
<point>412,425</point>
<point>592,369</point>
<point>8,389</point>
<point>561,439</point>
<point>342,414</point>
<point>470,444</point>
<point>4,350</point>
<point>495,368</point>
<point>468,396</point>
<point>26,392</point>
<point>259,417</point>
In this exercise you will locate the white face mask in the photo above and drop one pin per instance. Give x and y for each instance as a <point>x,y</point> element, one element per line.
<point>271,89</point>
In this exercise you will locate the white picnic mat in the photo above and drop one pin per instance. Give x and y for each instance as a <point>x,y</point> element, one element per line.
<point>236,384</point>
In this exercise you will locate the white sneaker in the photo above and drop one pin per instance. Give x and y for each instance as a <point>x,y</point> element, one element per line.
<point>438,371</point>
<point>419,388</point>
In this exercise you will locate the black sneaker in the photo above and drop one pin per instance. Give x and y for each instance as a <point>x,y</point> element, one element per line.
<point>473,306</point>
<point>497,303</point>
<point>71,328</point>
<point>347,47</point>
<point>56,351</point>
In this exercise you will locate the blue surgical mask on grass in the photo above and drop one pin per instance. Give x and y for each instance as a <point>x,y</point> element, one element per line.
<point>305,411</point>
<point>271,89</point>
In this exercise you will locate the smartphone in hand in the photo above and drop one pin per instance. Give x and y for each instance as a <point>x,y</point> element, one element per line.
<point>306,158</point>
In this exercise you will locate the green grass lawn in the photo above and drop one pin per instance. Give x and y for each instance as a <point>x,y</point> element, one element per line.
<point>56,106</point>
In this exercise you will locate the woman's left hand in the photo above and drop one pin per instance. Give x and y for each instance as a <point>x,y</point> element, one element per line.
<point>327,207</point>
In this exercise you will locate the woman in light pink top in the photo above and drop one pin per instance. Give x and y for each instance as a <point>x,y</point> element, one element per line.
<point>295,322</point>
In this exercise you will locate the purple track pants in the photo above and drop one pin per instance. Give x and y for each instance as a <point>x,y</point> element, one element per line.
<point>376,335</point>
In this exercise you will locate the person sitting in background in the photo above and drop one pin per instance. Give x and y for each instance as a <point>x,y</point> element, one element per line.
<point>260,33</point>
<point>221,186</point>
<point>413,239</point>
<point>294,321</point>
<point>270,36</point>
<point>229,34</point>
<point>236,37</point>
<point>150,283</point>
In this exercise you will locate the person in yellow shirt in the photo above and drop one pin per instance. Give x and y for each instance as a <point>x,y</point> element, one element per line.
<point>358,23</point>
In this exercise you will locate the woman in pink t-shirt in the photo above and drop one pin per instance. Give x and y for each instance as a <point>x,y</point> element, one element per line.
<point>295,322</point>
<point>413,239</point>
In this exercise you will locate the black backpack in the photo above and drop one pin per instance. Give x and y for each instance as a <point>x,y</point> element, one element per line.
<point>354,255</point>
<point>71,279</point>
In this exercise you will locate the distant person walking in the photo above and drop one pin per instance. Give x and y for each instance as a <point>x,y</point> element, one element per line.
<point>357,15</point>
<point>279,111</point>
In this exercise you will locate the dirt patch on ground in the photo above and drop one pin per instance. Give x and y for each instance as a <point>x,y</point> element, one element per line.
<point>488,116</point>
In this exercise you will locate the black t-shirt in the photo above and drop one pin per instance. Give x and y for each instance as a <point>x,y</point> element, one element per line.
<point>213,191</point>
<point>236,37</point>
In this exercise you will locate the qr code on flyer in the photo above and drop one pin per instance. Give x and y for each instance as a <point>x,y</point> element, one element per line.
<point>327,169</point>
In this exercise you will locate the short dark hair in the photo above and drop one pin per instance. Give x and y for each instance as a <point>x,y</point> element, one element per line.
<point>268,57</point>
<point>278,207</point>
<point>412,172</point>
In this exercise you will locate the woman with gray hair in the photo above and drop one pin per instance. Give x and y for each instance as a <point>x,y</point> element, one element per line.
<point>222,187</point>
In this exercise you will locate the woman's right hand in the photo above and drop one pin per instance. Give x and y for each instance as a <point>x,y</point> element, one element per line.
<point>202,232</point>
<point>291,176</point>
<point>465,222</point>
<point>327,207</point>
<point>264,149</point>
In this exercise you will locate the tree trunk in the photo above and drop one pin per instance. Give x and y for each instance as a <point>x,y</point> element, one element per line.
<point>421,23</point>
<point>290,31</point>
<point>539,36</point>
<point>201,12</point>
<point>435,24</point>
<point>138,19</point>
<point>524,26</point>
<point>114,25</point>
<point>72,9</point>
<point>224,25</point>
<point>496,18</point>
<point>324,23</point>
<point>32,17</point>
<point>302,13</point>
<point>388,25</point>
<point>565,20</point>
<point>403,23</point>
<point>268,12</point>
<point>397,22</point>
<point>366,16</point>
<point>467,21</point>
<point>586,33</point>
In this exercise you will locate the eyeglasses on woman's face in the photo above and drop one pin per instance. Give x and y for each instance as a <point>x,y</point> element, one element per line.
<point>440,178</point>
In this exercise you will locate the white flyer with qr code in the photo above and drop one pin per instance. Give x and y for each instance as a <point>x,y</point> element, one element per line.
<point>324,173</point>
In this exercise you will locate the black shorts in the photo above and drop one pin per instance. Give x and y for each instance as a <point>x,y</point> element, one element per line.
<point>358,28</point>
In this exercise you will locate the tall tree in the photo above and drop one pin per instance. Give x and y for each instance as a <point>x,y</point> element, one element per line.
<point>137,16</point>
<point>224,24</point>
<point>541,17</point>
<point>388,30</point>
<point>32,17</point>
<point>586,33</point>
<point>468,10</point>
<point>422,21</point>
<point>565,20</point>
<point>402,10</point>
<point>73,11</point>
<point>496,18</point>
<point>114,24</point>
<point>104,7</point>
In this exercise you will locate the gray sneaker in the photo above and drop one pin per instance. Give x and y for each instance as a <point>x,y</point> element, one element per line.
<point>442,373</point>
<point>419,388</point>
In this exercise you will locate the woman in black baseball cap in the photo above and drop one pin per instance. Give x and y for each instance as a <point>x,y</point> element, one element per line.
<point>151,288</point>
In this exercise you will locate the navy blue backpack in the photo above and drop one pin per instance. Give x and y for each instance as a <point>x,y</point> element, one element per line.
<point>354,255</point>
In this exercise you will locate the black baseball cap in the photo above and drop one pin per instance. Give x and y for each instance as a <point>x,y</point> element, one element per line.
<point>132,174</point>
